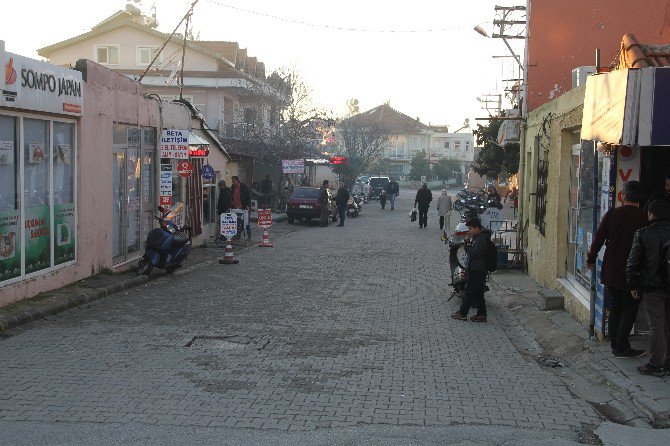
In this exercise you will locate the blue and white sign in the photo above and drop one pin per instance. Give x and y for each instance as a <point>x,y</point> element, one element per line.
<point>228,225</point>
<point>207,172</point>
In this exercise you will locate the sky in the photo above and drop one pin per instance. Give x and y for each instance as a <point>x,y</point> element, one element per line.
<point>342,50</point>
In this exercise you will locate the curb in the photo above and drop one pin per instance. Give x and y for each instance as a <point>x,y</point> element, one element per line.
<point>62,303</point>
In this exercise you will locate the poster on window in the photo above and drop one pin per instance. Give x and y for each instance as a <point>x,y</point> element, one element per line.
<point>35,152</point>
<point>64,231</point>
<point>37,239</point>
<point>63,154</point>
<point>6,152</point>
<point>10,246</point>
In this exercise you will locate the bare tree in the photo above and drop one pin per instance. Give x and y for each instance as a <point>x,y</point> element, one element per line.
<point>364,139</point>
<point>284,119</point>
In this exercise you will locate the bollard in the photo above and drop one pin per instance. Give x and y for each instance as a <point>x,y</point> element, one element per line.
<point>266,240</point>
<point>228,257</point>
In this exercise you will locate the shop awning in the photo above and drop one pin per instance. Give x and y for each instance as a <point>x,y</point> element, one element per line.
<point>611,107</point>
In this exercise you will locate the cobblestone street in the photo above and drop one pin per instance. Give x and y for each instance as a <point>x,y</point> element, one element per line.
<point>332,328</point>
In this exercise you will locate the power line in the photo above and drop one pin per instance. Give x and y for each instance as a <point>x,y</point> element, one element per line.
<point>333,27</point>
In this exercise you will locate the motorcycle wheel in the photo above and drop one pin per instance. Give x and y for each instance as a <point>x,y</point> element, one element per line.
<point>144,267</point>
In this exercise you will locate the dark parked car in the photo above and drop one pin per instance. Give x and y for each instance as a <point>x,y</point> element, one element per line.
<point>304,203</point>
<point>376,186</point>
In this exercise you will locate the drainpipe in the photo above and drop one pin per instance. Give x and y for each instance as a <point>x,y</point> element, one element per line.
<point>594,227</point>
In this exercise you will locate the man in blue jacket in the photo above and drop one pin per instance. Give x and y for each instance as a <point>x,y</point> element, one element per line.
<point>475,245</point>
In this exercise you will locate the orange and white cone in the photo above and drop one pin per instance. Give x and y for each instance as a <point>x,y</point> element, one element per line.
<point>266,243</point>
<point>228,257</point>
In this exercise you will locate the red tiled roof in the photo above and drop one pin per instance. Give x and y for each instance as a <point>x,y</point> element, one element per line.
<point>636,55</point>
<point>391,119</point>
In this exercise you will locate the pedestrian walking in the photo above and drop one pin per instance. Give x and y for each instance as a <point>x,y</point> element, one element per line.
<point>475,245</point>
<point>324,202</point>
<point>444,207</point>
<point>266,190</point>
<point>223,202</point>
<point>616,231</point>
<point>393,190</point>
<point>241,198</point>
<point>647,278</point>
<point>342,200</point>
<point>423,198</point>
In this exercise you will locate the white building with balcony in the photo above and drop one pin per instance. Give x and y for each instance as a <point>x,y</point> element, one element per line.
<point>226,84</point>
<point>457,146</point>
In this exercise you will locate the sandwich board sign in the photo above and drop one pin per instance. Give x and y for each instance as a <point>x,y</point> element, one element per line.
<point>228,225</point>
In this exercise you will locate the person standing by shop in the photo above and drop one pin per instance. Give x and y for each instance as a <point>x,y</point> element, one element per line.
<point>616,231</point>
<point>266,190</point>
<point>225,199</point>
<point>393,190</point>
<point>423,198</point>
<point>324,199</point>
<point>241,199</point>
<point>475,245</point>
<point>444,206</point>
<point>647,278</point>
<point>341,200</point>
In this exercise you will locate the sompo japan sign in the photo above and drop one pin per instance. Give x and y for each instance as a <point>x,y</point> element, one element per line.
<point>174,144</point>
<point>34,85</point>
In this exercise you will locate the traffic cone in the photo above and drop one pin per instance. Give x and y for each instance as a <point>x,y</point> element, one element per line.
<point>266,240</point>
<point>228,257</point>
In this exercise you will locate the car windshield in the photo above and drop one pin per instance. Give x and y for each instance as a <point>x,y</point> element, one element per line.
<point>377,182</point>
<point>306,193</point>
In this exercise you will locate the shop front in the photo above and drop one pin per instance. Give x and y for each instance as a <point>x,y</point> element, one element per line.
<point>39,117</point>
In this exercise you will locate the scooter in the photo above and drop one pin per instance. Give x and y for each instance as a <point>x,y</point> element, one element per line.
<point>166,247</point>
<point>382,198</point>
<point>353,208</point>
<point>457,261</point>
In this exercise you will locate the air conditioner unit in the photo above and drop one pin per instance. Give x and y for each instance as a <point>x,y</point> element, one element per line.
<point>580,74</point>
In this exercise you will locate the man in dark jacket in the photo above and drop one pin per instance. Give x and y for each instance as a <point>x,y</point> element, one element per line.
<point>241,199</point>
<point>616,231</point>
<point>646,274</point>
<point>475,245</point>
<point>266,190</point>
<point>341,200</point>
<point>324,199</point>
<point>423,198</point>
<point>393,190</point>
<point>225,198</point>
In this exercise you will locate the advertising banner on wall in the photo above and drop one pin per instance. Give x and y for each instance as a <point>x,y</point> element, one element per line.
<point>34,85</point>
<point>10,245</point>
<point>654,111</point>
<point>174,144</point>
<point>37,240</point>
<point>293,166</point>
<point>611,107</point>
<point>64,227</point>
<point>627,169</point>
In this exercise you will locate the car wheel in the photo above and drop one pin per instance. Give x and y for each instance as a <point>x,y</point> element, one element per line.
<point>291,220</point>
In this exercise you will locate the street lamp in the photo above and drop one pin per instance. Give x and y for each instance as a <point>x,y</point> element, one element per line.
<point>481,31</point>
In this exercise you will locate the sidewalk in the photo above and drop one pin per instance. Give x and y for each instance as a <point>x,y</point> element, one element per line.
<point>564,341</point>
<point>109,283</point>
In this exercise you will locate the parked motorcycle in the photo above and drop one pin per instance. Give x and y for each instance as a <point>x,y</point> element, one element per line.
<point>457,260</point>
<point>166,247</point>
<point>353,208</point>
<point>382,198</point>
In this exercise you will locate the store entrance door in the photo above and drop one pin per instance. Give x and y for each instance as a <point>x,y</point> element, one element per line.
<point>119,200</point>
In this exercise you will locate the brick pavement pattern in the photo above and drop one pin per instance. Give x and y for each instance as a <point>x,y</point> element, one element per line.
<point>332,327</point>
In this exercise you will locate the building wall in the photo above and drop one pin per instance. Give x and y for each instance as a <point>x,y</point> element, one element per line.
<point>547,254</point>
<point>465,151</point>
<point>108,98</point>
<point>128,39</point>
<point>560,28</point>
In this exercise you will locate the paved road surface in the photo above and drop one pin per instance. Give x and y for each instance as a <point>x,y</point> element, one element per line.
<point>340,334</point>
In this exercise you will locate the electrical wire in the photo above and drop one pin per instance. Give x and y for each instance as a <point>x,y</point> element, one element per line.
<point>337,28</point>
